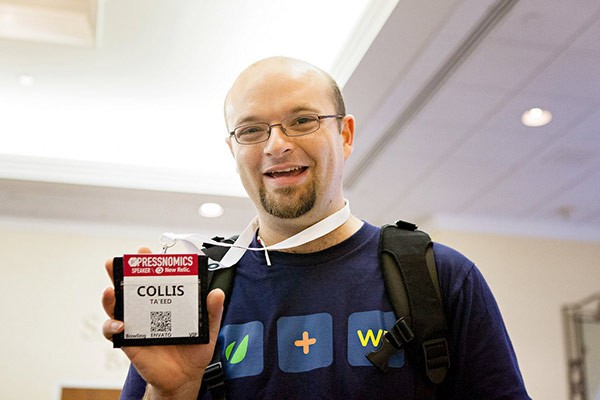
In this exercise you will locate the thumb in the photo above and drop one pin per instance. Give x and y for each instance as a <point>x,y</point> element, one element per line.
<point>214,304</point>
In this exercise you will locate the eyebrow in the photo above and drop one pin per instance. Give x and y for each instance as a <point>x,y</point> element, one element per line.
<point>301,109</point>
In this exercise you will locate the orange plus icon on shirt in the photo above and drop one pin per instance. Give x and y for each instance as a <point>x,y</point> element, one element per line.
<point>295,345</point>
<point>305,343</point>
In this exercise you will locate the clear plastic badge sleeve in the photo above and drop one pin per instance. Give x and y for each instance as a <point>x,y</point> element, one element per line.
<point>161,298</point>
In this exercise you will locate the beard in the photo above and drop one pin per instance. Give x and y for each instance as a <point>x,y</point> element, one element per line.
<point>289,202</point>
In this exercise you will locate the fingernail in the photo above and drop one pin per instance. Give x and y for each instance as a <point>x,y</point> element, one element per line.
<point>115,326</point>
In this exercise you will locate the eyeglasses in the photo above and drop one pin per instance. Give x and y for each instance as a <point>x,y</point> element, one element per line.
<point>298,125</point>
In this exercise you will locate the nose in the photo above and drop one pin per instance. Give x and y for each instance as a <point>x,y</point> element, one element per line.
<point>278,142</point>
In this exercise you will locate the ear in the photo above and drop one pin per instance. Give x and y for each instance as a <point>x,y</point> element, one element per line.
<point>230,144</point>
<point>347,133</point>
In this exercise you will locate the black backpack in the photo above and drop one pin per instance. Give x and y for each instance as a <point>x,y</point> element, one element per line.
<point>410,276</point>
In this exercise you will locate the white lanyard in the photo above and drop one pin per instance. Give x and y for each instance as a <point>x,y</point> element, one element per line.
<point>242,244</point>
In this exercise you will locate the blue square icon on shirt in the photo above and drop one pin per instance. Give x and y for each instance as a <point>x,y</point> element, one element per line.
<point>305,342</point>
<point>365,333</point>
<point>242,349</point>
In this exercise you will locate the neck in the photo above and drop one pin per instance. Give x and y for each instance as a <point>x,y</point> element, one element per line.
<point>274,230</point>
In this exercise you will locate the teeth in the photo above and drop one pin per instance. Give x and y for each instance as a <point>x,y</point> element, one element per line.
<point>283,171</point>
<point>289,169</point>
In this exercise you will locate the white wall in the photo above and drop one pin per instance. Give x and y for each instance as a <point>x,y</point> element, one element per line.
<point>53,279</point>
<point>532,279</point>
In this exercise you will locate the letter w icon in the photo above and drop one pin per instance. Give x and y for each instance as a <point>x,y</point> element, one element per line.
<point>370,336</point>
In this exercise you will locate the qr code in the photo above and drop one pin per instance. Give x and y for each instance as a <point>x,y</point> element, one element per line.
<point>160,321</point>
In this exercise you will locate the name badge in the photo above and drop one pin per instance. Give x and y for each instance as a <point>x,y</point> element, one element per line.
<point>161,298</point>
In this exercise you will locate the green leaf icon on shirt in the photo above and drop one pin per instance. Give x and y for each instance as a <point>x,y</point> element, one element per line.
<point>240,353</point>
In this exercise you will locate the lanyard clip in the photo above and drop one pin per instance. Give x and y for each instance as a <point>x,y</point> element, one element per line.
<point>166,243</point>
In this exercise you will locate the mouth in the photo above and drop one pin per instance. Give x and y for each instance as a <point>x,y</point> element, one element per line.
<point>286,172</point>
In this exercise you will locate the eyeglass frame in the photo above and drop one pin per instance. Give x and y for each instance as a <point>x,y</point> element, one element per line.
<point>270,127</point>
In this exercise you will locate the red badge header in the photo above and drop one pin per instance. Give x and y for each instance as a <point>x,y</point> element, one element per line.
<point>160,264</point>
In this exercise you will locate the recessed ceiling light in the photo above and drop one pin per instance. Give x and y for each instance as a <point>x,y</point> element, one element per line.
<point>536,117</point>
<point>25,80</point>
<point>211,210</point>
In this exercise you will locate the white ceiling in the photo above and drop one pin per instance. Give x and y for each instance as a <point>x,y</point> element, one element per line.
<point>129,131</point>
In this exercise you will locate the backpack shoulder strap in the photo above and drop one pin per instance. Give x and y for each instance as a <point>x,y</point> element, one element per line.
<point>214,375</point>
<point>411,281</point>
<point>220,278</point>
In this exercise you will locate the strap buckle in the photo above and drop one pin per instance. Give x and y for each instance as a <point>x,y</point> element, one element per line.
<point>437,359</point>
<point>393,340</point>
<point>409,226</point>
<point>214,376</point>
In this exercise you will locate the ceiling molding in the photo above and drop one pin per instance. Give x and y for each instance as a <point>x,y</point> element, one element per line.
<point>519,227</point>
<point>102,208</point>
<point>116,175</point>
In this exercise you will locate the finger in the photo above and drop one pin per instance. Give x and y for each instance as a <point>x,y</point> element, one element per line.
<point>108,265</point>
<point>109,301</point>
<point>111,327</point>
<point>214,304</point>
<point>144,250</point>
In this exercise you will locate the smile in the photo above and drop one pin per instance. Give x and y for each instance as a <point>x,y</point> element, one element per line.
<point>287,172</point>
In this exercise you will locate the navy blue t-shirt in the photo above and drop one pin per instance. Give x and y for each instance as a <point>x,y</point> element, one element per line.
<point>300,329</point>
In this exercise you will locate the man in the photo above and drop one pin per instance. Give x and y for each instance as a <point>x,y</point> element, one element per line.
<point>297,320</point>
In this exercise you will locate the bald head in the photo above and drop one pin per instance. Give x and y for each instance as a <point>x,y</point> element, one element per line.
<point>279,69</point>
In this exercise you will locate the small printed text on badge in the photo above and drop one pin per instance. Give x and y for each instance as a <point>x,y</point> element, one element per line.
<point>160,301</point>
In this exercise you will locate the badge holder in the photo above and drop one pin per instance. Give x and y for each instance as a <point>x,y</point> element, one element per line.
<point>161,298</point>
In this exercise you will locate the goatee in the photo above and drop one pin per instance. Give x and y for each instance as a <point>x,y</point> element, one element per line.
<point>286,204</point>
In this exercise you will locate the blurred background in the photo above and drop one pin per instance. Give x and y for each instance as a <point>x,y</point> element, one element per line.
<point>477,119</point>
